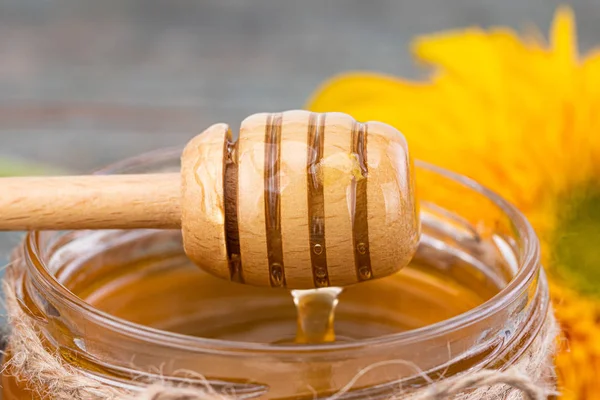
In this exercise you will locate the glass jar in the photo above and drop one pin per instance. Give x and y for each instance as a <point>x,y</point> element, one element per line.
<point>79,288</point>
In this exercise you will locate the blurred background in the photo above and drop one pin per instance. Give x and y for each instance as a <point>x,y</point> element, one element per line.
<point>85,83</point>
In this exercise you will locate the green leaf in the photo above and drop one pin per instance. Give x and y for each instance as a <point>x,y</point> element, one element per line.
<point>576,244</point>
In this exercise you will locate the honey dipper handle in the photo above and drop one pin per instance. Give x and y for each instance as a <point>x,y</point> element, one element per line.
<point>90,202</point>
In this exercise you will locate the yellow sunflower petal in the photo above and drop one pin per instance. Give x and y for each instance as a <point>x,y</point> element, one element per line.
<point>589,92</point>
<point>370,96</point>
<point>578,362</point>
<point>563,37</point>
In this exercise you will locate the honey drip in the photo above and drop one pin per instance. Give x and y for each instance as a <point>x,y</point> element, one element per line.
<point>316,314</point>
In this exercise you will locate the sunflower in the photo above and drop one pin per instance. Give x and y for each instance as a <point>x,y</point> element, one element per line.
<point>526,116</point>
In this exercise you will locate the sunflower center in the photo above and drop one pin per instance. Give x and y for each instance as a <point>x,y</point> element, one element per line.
<point>577,241</point>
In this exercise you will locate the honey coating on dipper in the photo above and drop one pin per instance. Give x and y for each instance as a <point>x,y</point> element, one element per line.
<point>301,200</point>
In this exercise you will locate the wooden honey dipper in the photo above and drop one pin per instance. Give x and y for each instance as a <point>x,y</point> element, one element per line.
<point>301,200</point>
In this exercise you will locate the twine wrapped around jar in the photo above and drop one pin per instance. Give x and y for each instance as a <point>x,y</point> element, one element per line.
<point>48,375</point>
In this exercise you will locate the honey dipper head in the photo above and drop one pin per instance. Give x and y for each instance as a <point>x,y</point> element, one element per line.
<point>301,200</point>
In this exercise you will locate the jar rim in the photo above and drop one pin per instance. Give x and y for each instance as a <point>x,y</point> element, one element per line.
<point>527,270</point>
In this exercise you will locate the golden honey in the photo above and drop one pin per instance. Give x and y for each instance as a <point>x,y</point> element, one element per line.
<point>171,294</point>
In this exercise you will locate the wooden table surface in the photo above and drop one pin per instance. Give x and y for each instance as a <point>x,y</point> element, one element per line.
<point>86,82</point>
